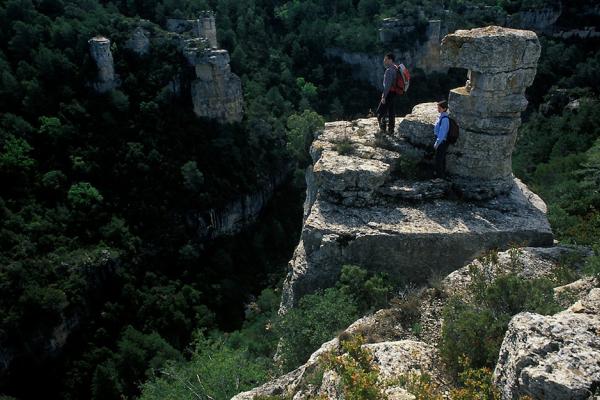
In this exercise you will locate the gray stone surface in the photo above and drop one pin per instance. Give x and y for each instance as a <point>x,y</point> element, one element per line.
<point>100,51</point>
<point>492,49</point>
<point>360,210</point>
<point>391,358</point>
<point>502,64</point>
<point>552,357</point>
<point>217,92</point>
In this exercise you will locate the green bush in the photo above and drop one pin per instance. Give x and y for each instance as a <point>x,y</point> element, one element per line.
<point>215,371</point>
<point>358,375</point>
<point>370,292</point>
<point>316,319</point>
<point>475,329</point>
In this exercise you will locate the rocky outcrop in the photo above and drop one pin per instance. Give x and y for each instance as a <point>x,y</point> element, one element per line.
<point>366,205</point>
<point>392,359</point>
<point>397,350</point>
<point>502,64</point>
<point>202,27</point>
<point>361,210</point>
<point>216,91</point>
<point>100,51</point>
<point>552,357</point>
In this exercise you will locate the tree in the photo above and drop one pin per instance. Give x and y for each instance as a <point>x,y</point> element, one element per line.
<point>83,196</point>
<point>14,156</point>
<point>300,130</point>
<point>193,179</point>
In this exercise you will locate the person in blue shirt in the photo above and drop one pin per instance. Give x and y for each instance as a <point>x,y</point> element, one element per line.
<point>440,130</point>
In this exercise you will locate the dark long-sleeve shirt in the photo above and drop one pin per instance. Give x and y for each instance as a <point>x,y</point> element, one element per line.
<point>388,79</point>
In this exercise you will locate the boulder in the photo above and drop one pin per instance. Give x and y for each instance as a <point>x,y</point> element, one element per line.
<point>552,357</point>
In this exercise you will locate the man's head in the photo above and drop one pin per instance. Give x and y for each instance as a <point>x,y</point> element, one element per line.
<point>442,106</point>
<point>388,59</point>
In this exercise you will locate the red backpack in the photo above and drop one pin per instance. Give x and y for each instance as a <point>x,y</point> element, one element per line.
<point>402,81</point>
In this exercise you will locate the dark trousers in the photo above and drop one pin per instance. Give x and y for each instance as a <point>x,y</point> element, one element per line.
<point>387,110</point>
<point>440,160</point>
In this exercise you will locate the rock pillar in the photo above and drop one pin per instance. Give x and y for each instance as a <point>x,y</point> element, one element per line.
<point>502,63</point>
<point>100,52</point>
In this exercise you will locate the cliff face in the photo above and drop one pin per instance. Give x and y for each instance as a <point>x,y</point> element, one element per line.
<point>234,216</point>
<point>363,208</point>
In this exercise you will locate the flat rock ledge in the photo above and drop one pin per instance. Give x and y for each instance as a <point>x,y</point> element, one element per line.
<point>361,208</point>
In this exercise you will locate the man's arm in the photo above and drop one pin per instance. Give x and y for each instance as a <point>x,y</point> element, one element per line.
<point>442,132</point>
<point>388,80</point>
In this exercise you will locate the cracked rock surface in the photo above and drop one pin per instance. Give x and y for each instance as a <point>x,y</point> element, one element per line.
<point>552,357</point>
<point>362,209</point>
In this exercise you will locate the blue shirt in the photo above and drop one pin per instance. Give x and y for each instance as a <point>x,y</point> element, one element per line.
<point>440,130</point>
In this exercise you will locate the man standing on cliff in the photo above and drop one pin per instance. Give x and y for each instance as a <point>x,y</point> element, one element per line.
<point>386,105</point>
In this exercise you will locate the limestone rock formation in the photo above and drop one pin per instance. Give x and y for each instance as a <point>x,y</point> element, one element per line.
<point>502,64</point>
<point>102,55</point>
<point>139,42</point>
<point>216,92</point>
<point>204,26</point>
<point>393,359</point>
<point>365,206</point>
<point>552,357</point>
<point>361,210</point>
<point>237,214</point>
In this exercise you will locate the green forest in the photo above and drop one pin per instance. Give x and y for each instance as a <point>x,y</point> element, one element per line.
<point>107,290</point>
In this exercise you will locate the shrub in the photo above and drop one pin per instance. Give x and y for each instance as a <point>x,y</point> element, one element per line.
<point>369,292</point>
<point>472,331</point>
<point>314,321</point>
<point>476,329</point>
<point>476,384</point>
<point>215,371</point>
<point>358,375</point>
<point>83,195</point>
<point>344,146</point>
